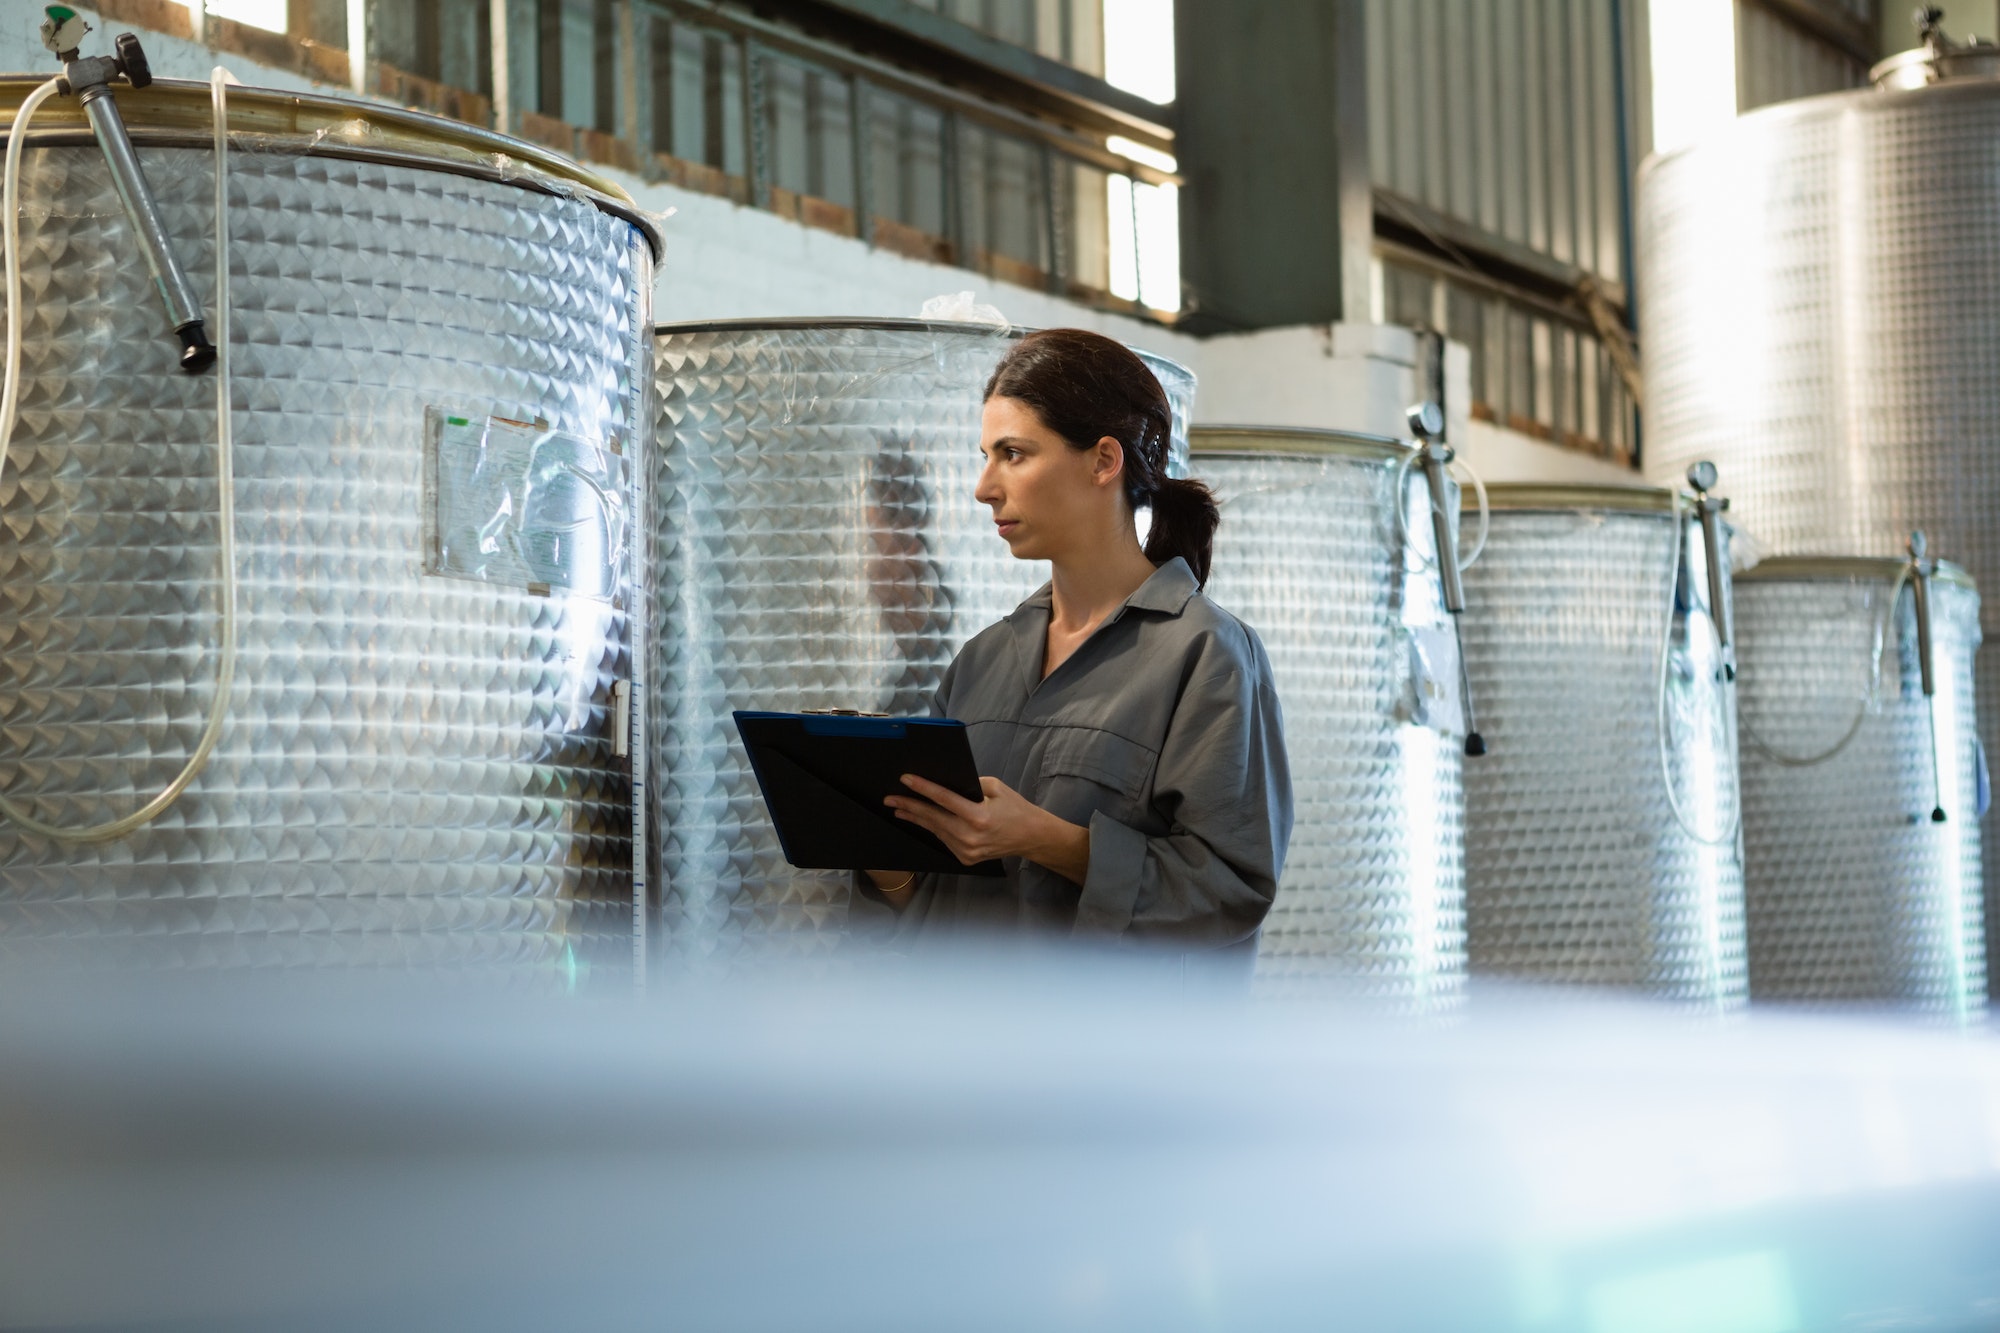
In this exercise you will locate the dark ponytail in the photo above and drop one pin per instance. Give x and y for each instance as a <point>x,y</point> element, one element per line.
<point>1085,386</point>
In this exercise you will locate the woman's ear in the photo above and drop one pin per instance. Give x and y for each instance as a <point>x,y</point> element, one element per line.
<point>1107,465</point>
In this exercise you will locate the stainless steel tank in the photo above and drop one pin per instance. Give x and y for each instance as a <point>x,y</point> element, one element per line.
<point>436,394</point>
<point>815,544</point>
<point>1326,550</point>
<point>1818,285</point>
<point>1601,840</point>
<point>1854,891</point>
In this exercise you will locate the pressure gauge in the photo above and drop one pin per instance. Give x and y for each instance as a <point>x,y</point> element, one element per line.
<point>62,30</point>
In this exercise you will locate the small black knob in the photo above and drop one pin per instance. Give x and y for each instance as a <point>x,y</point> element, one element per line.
<point>132,59</point>
<point>197,352</point>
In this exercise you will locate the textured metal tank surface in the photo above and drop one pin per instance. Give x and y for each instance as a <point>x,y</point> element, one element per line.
<point>1601,840</point>
<point>412,767</point>
<point>1822,302</point>
<point>1345,595</point>
<point>815,544</point>
<point>1852,893</point>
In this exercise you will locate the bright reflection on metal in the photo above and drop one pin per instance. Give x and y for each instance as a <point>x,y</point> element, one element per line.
<point>1311,554</point>
<point>1853,895</point>
<point>1600,833</point>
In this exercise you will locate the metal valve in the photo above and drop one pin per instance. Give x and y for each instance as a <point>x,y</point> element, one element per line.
<point>1921,569</point>
<point>90,79</point>
<point>1427,424</point>
<point>1709,509</point>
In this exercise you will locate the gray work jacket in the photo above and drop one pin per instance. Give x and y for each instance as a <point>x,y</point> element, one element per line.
<point>1162,735</point>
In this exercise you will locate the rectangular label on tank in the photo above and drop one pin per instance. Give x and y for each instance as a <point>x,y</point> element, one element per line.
<point>517,504</point>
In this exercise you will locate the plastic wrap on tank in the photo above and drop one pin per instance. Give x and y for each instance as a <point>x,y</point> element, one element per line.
<point>1314,556</point>
<point>1854,894</point>
<point>815,544</point>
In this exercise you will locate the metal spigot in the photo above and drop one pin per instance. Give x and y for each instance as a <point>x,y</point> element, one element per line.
<point>90,79</point>
<point>1701,477</point>
<point>1426,420</point>
<point>1922,567</point>
<point>1930,27</point>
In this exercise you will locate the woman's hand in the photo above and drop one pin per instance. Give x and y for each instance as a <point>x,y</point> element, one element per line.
<point>1006,823</point>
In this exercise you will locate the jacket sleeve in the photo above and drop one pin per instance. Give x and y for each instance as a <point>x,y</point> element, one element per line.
<point>1224,786</point>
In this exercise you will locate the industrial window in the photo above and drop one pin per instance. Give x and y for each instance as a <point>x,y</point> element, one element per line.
<point>1004,196</point>
<point>697,96</point>
<point>575,62</point>
<point>906,152</point>
<point>809,130</point>
<point>1536,369</point>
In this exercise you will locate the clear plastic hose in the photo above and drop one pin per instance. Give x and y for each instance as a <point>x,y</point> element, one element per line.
<point>224,451</point>
<point>1728,837</point>
<point>10,200</point>
<point>1400,488</point>
<point>1870,696</point>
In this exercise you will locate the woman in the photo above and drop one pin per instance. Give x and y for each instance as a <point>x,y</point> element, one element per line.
<point>1126,728</point>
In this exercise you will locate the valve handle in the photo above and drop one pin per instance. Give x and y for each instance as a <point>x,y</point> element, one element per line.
<point>132,59</point>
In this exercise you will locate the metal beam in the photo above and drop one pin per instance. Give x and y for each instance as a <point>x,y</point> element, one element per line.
<point>1481,255</point>
<point>947,50</point>
<point>1276,215</point>
<point>1853,37</point>
<point>499,48</point>
<point>1352,167</point>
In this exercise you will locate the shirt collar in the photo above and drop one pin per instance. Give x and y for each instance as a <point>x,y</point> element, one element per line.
<point>1167,589</point>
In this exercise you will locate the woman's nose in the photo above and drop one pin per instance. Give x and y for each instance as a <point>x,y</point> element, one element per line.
<point>987,491</point>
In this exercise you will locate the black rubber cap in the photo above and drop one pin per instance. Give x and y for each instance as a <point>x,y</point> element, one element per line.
<point>1937,814</point>
<point>197,352</point>
<point>132,57</point>
<point>1475,744</point>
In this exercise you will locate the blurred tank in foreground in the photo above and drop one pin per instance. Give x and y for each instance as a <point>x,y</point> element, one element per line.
<point>970,1149</point>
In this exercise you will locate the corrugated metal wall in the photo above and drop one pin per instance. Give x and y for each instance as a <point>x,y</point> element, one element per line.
<point>1502,113</point>
<point>1777,61</point>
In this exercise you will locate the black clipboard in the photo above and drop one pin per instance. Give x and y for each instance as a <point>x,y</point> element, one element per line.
<point>824,777</point>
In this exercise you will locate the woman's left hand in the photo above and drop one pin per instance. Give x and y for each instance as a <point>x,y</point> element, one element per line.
<point>1006,823</point>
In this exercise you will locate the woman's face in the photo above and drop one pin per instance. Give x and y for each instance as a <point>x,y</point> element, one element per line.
<point>1047,498</point>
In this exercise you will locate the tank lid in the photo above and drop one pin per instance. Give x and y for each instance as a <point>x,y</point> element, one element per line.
<point>1937,59</point>
<point>1299,441</point>
<point>176,111</point>
<point>1550,496</point>
<point>1803,568</point>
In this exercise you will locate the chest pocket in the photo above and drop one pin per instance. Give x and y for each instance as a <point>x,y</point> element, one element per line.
<point>1110,761</point>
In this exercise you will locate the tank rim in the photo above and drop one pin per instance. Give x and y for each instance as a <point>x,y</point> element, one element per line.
<point>1800,108</point>
<point>810,323</point>
<point>878,323</point>
<point>1293,441</point>
<point>175,112</point>
<point>1557,497</point>
<point>1830,568</point>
